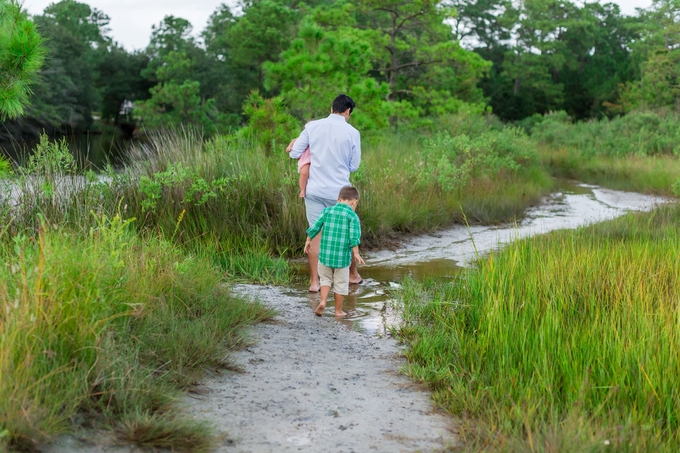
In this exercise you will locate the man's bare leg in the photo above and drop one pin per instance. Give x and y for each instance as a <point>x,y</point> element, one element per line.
<point>354,276</point>
<point>338,305</point>
<point>325,290</point>
<point>313,258</point>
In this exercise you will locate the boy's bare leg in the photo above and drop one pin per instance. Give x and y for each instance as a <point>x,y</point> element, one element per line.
<point>304,176</point>
<point>325,290</point>
<point>313,259</point>
<point>338,305</point>
<point>354,276</point>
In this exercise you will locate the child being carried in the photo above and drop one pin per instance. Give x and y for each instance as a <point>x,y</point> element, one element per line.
<point>303,167</point>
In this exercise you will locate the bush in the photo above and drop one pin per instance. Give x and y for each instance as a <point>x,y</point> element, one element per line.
<point>638,133</point>
<point>453,161</point>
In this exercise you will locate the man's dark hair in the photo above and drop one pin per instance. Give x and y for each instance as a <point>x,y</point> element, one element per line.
<point>348,193</point>
<point>342,103</point>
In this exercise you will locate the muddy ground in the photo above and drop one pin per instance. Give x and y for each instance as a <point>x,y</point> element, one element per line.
<point>311,384</point>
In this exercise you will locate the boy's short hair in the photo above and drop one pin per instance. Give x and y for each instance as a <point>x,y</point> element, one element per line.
<point>348,193</point>
<point>342,103</point>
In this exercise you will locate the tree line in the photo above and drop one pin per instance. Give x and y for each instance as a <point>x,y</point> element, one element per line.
<point>405,62</point>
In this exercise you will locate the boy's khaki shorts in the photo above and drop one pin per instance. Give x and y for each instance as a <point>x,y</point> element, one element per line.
<point>336,278</point>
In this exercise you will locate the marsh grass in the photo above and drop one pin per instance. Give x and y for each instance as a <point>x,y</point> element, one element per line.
<point>638,173</point>
<point>636,152</point>
<point>230,192</point>
<point>233,192</point>
<point>113,327</point>
<point>638,133</point>
<point>564,342</point>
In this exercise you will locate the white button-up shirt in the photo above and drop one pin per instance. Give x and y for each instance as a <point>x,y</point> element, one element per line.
<point>335,147</point>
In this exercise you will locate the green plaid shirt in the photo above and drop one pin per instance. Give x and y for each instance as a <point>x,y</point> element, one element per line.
<point>341,232</point>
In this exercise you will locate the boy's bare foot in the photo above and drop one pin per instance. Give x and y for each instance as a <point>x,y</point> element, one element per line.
<point>340,314</point>
<point>314,288</point>
<point>319,310</point>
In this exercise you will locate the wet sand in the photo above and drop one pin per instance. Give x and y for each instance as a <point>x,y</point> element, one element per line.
<point>310,384</point>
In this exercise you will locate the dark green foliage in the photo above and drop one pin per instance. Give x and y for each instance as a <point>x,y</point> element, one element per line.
<point>119,79</point>
<point>21,56</point>
<point>406,63</point>
<point>76,36</point>
<point>565,57</point>
<point>657,55</point>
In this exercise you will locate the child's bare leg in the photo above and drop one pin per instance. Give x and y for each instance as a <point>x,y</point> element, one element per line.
<point>325,290</point>
<point>338,305</point>
<point>304,176</point>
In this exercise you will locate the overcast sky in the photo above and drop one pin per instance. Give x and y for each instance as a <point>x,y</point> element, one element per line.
<point>131,20</point>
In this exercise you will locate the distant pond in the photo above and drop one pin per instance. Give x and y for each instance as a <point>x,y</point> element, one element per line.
<point>90,149</point>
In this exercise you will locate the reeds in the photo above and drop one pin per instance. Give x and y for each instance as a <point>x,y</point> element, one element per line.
<point>111,326</point>
<point>240,194</point>
<point>636,152</point>
<point>565,342</point>
<point>646,174</point>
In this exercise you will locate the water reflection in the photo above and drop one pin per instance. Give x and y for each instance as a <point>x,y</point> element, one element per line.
<point>90,150</point>
<point>371,306</point>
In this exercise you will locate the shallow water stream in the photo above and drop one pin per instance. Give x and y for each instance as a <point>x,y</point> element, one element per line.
<point>441,255</point>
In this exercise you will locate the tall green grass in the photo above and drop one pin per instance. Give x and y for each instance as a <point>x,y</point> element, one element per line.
<point>105,320</point>
<point>646,174</point>
<point>108,328</point>
<point>231,194</point>
<point>639,133</point>
<point>638,151</point>
<point>566,342</point>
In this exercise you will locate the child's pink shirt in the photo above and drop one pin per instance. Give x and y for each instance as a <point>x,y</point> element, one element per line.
<point>305,159</point>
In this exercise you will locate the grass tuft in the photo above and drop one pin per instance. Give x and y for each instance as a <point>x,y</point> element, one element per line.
<point>112,326</point>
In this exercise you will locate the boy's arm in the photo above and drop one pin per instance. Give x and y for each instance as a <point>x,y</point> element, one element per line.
<point>316,228</point>
<point>354,231</point>
<point>355,238</point>
<point>356,256</point>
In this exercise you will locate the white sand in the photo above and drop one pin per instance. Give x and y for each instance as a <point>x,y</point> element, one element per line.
<point>310,384</point>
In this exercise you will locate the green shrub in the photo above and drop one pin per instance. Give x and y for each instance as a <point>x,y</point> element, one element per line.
<point>453,161</point>
<point>638,133</point>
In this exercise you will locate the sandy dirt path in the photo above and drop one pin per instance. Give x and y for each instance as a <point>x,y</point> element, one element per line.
<point>310,384</point>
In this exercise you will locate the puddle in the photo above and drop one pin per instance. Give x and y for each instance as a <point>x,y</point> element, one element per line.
<point>443,254</point>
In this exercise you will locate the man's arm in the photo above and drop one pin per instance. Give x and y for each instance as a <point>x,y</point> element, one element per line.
<point>355,153</point>
<point>300,145</point>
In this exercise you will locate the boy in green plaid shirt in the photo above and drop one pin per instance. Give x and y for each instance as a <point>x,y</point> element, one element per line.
<point>340,237</point>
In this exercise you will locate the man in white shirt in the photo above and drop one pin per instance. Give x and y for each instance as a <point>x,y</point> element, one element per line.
<point>335,147</point>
